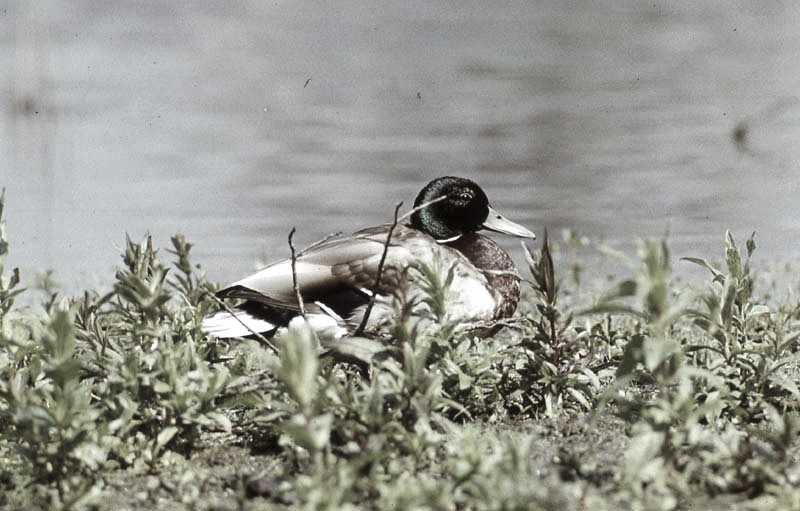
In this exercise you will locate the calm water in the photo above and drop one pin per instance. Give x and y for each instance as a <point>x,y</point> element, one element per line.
<point>233,121</point>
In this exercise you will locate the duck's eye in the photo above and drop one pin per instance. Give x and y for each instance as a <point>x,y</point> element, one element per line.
<point>465,196</point>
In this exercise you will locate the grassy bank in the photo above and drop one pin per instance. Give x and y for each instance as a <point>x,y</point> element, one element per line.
<point>649,395</point>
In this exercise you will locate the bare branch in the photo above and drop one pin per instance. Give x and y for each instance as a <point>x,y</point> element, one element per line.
<point>363,325</point>
<point>368,311</point>
<point>294,276</point>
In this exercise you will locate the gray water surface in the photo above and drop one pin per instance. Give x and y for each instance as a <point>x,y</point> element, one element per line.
<point>231,122</point>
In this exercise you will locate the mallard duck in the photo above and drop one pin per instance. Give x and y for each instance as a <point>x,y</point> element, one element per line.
<point>336,277</point>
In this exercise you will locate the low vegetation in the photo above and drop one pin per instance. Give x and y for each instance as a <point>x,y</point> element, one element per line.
<point>650,395</point>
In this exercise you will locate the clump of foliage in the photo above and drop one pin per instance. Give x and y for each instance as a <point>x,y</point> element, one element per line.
<point>105,381</point>
<point>563,362</point>
<point>706,389</point>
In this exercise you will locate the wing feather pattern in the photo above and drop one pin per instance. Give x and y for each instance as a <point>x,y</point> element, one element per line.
<point>327,268</point>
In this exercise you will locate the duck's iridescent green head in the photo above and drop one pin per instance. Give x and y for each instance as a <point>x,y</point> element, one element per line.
<point>464,209</point>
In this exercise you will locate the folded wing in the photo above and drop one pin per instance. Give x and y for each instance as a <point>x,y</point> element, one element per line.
<point>323,271</point>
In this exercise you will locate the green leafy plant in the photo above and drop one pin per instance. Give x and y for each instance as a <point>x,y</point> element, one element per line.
<point>113,380</point>
<point>563,361</point>
<point>748,344</point>
<point>667,422</point>
<point>702,399</point>
<point>159,381</point>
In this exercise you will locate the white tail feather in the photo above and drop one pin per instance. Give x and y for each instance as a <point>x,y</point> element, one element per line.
<point>236,323</point>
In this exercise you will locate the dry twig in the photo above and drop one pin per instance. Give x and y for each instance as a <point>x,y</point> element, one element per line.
<point>363,324</point>
<point>294,275</point>
<point>370,305</point>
